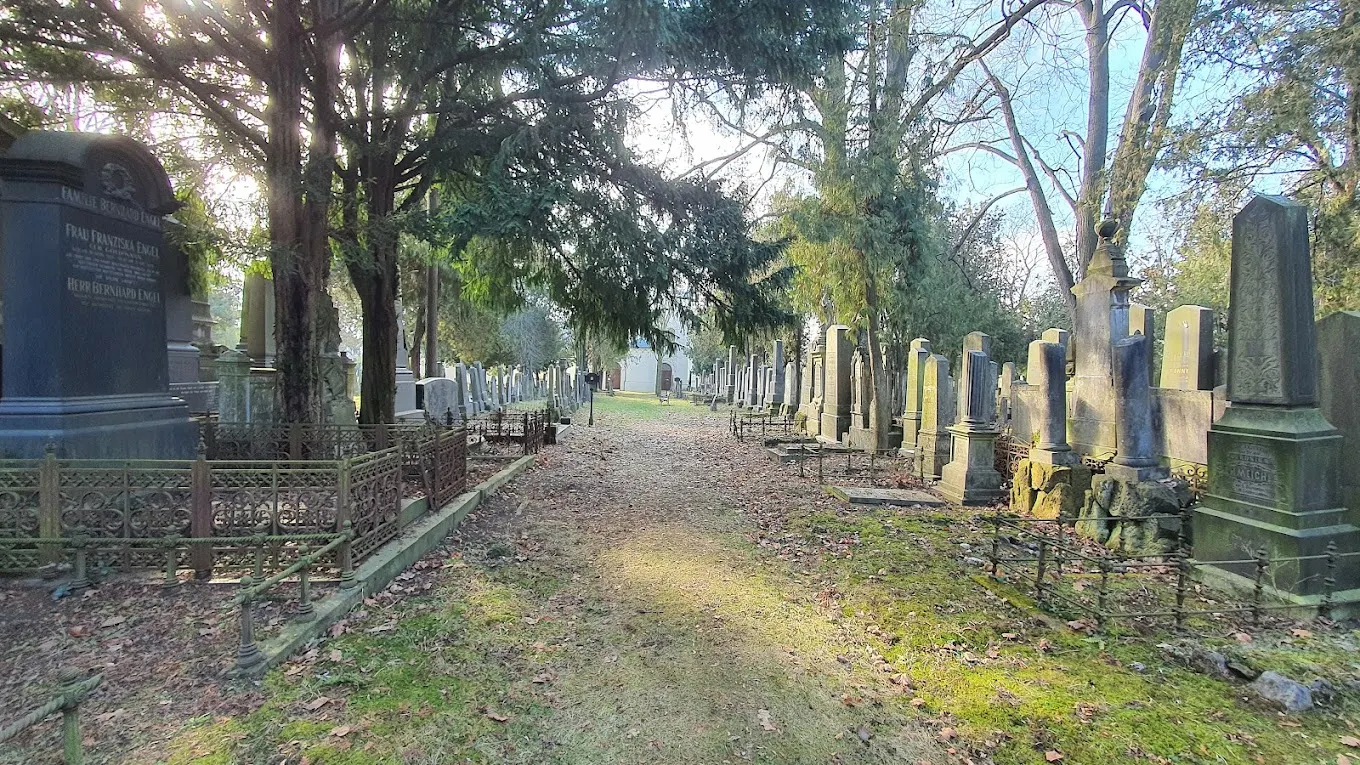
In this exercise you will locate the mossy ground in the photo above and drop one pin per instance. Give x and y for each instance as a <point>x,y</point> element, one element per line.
<point>654,592</point>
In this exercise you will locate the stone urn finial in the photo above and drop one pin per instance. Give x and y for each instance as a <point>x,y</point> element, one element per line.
<point>1108,259</point>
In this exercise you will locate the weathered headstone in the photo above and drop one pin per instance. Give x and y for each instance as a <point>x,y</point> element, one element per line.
<point>732,368</point>
<point>836,401</point>
<point>1188,354</point>
<point>1274,461</point>
<point>258,319</point>
<point>1339,393</point>
<point>85,364</point>
<point>753,381</point>
<point>917,354</point>
<point>441,398</point>
<point>777,395</point>
<point>970,478</point>
<point>790,397</point>
<point>978,341</point>
<point>1045,367</point>
<point>1143,321</point>
<point>1003,394</point>
<point>1102,318</point>
<point>937,412</point>
<point>1136,459</point>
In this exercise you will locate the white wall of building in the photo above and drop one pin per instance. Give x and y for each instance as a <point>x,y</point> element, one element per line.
<point>638,369</point>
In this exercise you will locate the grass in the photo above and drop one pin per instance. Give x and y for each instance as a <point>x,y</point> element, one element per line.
<point>682,640</point>
<point>1019,689</point>
<point>624,407</point>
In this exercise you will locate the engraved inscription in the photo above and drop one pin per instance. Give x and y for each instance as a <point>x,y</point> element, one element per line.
<point>1256,355</point>
<point>110,271</point>
<point>1253,471</point>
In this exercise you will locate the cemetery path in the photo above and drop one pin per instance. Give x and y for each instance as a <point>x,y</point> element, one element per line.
<point>652,592</point>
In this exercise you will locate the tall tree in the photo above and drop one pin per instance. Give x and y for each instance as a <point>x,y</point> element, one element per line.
<point>1095,182</point>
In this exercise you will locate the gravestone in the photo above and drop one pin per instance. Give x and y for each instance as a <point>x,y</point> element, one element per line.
<point>1188,354</point>
<point>790,397</point>
<point>258,319</point>
<point>1274,460</point>
<point>1004,395</point>
<point>441,398</point>
<point>937,412</point>
<point>1045,367</point>
<point>1102,319</point>
<point>1339,393</point>
<point>917,354</point>
<point>836,382</point>
<point>753,381</point>
<point>970,478</point>
<point>1136,459</point>
<point>778,397</point>
<point>84,356</point>
<point>859,436</point>
<point>406,379</point>
<point>732,366</point>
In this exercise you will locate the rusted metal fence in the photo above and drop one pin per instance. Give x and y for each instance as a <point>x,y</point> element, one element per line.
<point>75,686</point>
<point>524,428</point>
<point>138,513</point>
<point>1056,562</point>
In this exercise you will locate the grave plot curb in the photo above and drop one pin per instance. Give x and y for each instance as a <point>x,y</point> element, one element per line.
<point>384,565</point>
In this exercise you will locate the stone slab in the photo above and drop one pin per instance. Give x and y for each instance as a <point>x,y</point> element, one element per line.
<point>862,495</point>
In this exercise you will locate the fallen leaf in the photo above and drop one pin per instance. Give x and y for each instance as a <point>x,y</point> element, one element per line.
<point>947,734</point>
<point>763,717</point>
<point>335,655</point>
<point>1342,759</point>
<point>1242,637</point>
<point>79,630</point>
<point>341,732</point>
<point>917,702</point>
<point>1350,741</point>
<point>1052,756</point>
<point>114,621</point>
<point>498,717</point>
<point>1301,633</point>
<point>317,703</point>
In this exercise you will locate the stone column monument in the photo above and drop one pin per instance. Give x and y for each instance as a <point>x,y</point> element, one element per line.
<point>731,396</point>
<point>1274,461</point>
<point>777,397</point>
<point>1102,318</point>
<point>83,261</point>
<point>970,478</point>
<point>1136,459</point>
<point>836,386</point>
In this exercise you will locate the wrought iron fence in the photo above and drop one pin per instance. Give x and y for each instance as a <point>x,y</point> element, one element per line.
<point>127,514</point>
<point>74,688</point>
<point>1009,453</point>
<point>503,427</point>
<point>1053,561</point>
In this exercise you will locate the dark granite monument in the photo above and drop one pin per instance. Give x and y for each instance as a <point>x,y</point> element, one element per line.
<point>84,356</point>
<point>1274,461</point>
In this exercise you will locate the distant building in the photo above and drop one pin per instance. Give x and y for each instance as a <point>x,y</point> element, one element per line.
<point>642,372</point>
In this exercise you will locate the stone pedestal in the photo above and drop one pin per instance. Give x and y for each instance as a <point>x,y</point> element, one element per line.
<point>970,478</point>
<point>1274,461</point>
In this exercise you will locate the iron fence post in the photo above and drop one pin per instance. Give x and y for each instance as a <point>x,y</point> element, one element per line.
<point>346,553</point>
<point>1258,592</point>
<point>305,608</point>
<point>1328,583</point>
<point>49,504</point>
<point>1041,569</point>
<point>1103,594</point>
<point>248,655</point>
<point>72,691</point>
<point>171,582</point>
<point>996,543</point>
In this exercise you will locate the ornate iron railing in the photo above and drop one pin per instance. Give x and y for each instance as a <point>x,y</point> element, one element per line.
<point>74,688</point>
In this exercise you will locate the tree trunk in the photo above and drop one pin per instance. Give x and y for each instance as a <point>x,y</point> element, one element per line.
<point>283,178</point>
<point>375,279</point>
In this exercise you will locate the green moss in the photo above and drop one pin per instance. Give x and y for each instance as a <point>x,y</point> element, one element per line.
<point>1077,695</point>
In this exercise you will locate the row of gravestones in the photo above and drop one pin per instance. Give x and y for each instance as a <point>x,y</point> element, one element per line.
<point>755,385</point>
<point>1274,462</point>
<point>470,391</point>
